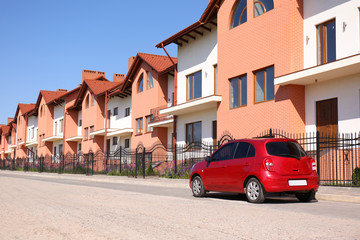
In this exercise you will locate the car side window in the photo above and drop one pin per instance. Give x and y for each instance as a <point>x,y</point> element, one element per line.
<point>225,153</point>
<point>244,150</point>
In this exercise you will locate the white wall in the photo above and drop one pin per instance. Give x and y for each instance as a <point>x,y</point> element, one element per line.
<point>199,54</point>
<point>121,142</point>
<point>320,11</point>
<point>120,121</point>
<point>58,115</point>
<point>206,117</point>
<point>79,131</point>
<point>32,123</point>
<point>347,90</point>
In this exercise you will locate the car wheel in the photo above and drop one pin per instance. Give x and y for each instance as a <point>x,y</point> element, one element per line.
<point>306,196</point>
<point>197,187</point>
<point>254,191</point>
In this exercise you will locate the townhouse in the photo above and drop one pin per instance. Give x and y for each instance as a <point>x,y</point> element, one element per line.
<point>196,97</point>
<point>22,132</point>
<point>331,73</point>
<point>151,80</point>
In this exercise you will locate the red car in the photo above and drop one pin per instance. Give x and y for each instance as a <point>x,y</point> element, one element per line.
<point>257,167</point>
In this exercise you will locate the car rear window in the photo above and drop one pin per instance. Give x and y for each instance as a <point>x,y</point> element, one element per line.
<point>285,149</point>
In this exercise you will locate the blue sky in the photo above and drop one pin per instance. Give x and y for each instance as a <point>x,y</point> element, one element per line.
<point>45,44</point>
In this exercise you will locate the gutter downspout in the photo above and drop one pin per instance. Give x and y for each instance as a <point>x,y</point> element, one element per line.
<point>107,98</point>
<point>174,136</point>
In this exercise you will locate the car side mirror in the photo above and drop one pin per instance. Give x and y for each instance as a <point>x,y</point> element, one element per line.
<point>208,159</point>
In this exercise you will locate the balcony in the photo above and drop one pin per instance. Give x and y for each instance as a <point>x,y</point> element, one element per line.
<point>53,138</point>
<point>196,105</point>
<point>332,70</point>
<point>161,120</point>
<point>74,139</point>
<point>31,143</point>
<point>12,147</point>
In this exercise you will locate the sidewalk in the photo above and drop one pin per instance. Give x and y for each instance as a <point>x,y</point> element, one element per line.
<point>337,194</point>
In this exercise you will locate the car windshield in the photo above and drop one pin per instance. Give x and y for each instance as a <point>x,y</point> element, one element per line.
<point>285,149</point>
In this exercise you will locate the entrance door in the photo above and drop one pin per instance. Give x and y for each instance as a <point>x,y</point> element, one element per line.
<point>107,147</point>
<point>327,116</point>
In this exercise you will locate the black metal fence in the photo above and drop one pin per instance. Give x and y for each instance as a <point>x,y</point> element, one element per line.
<point>337,156</point>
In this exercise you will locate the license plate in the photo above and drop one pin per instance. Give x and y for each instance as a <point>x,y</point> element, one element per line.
<point>294,183</point>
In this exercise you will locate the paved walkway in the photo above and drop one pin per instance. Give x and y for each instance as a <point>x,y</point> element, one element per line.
<point>338,194</point>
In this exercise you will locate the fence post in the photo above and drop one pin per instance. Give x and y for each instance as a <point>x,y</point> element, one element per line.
<point>136,158</point>
<point>143,163</point>
<point>318,152</point>
<point>92,163</point>
<point>175,158</point>
<point>120,160</point>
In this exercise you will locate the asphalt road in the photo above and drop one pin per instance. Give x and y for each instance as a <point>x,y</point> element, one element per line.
<point>33,207</point>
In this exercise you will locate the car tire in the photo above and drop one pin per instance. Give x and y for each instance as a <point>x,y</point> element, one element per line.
<point>197,187</point>
<point>306,196</point>
<point>254,191</point>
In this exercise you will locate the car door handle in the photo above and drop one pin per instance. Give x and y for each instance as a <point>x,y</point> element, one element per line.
<point>246,164</point>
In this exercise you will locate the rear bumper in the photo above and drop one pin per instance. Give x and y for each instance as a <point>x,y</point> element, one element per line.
<point>273,182</point>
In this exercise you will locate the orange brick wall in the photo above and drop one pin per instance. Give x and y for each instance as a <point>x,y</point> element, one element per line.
<point>45,126</point>
<point>143,102</point>
<point>274,38</point>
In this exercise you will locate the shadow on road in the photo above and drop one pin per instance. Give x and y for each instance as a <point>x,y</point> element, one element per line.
<point>285,199</point>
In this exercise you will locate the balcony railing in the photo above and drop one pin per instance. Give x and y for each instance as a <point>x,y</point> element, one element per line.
<point>157,117</point>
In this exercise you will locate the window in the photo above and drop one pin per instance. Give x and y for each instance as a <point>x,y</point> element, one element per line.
<point>194,85</point>
<point>80,123</point>
<point>127,112</point>
<point>326,42</point>
<point>193,132</point>
<point>244,150</point>
<point>139,125</point>
<point>127,143</point>
<point>262,6</point>
<point>238,92</point>
<point>141,84</point>
<point>149,119</point>
<point>92,100</point>
<point>60,149</point>
<point>115,141</point>
<point>79,148</point>
<point>116,111</point>
<point>91,131</point>
<point>239,15</point>
<point>150,81</point>
<point>215,79</point>
<point>225,153</point>
<point>87,101</point>
<point>86,133</point>
<point>54,151</point>
<point>61,125</point>
<point>264,85</point>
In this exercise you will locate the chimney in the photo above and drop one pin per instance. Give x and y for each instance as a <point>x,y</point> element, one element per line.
<point>90,74</point>
<point>61,90</point>
<point>130,62</point>
<point>10,120</point>
<point>119,78</point>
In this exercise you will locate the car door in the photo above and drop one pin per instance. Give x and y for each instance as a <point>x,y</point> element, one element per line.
<point>236,169</point>
<point>216,178</point>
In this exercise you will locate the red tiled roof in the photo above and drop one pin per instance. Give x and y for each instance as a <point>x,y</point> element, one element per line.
<point>99,86</point>
<point>158,62</point>
<point>209,14</point>
<point>50,96</point>
<point>5,130</point>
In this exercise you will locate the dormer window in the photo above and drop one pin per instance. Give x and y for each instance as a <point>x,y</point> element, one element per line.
<point>239,15</point>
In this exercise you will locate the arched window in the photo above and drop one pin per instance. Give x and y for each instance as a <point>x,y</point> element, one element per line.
<point>92,99</point>
<point>87,101</point>
<point>262,6</point>
<point>239,15</point>
<point>150,81</point>
<point>141,84</point>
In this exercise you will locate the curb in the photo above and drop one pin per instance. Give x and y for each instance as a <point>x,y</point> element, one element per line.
<point>165,182</point>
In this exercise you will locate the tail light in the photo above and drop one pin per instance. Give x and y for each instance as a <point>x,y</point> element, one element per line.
<point>269,164</point>
<point>313,164</point>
